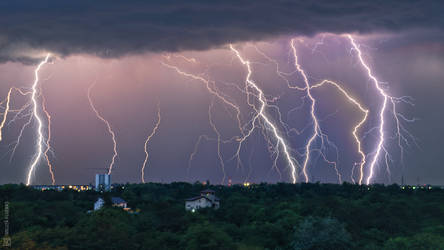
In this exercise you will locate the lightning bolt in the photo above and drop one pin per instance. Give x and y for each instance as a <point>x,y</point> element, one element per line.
<point>38,119</point>
<point>357,126</point>
<point>5,113</point>
<point>317,132</point>
<point>153,132</point>
<point>386,98</point>
<point>261,119</point>
<point>7,108</point>
<point>108,126</point>
<point>261,113</point>
<point>48,140</point>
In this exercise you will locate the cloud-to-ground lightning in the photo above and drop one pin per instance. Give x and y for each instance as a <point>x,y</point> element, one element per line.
<point>37,117</point>
<point>381,113</point>
<point>262,113</point>
<point>48,140</point>
<point>357,126</point>
<point>317,132</point>
<point>153,132</point>
<point>108,126</point>
<point>386,98</point>
<point>316,129</point>
<point>253,112</point>
<point>276,144</point>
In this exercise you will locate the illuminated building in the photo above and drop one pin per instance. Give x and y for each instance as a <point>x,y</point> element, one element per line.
<point>206,199</point>
<point>103,182</point>
<point>99,204</point>
<point>77,188</point>
<point>118,202</point>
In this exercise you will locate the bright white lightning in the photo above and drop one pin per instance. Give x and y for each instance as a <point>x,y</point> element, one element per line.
<point>355,129</point>
<point>38,119</point>
<point>316,130</point>
<point>261,112</point>
<point>5,114</point>
<point>381,91</point>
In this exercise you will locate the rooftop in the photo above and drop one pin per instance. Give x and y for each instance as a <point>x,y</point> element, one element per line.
<point>117,200</point>
<point>207,191</point>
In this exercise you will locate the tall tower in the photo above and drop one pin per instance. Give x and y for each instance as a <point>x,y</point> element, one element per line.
<point>103,182</point>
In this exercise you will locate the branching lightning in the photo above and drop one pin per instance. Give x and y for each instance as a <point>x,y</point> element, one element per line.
<point>262,113</point>
<point>355,129</point>
<point>316,130</point>
<point>5,113</point>
<point>386,98</point>
<point>38,119</point>
<point>276,143</point>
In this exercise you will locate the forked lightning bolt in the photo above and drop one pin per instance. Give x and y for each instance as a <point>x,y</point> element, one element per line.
<point>356,128</point>
<point>316,130</point>
<point>262,113</point>
<point>108,126</point>
<point>37,117</point>
<point>386,98</point>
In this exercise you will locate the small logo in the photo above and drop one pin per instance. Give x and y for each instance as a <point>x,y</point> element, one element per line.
<point>6,241</point>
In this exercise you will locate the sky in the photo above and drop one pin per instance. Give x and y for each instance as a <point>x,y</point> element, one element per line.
<point>131,55</point>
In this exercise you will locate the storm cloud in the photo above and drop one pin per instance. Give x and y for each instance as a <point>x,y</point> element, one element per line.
<point>114,28</point>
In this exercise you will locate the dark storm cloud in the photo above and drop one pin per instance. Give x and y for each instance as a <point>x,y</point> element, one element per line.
<point>113,28</point>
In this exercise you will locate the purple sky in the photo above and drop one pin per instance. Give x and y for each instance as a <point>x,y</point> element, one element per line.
<point>131,80</point>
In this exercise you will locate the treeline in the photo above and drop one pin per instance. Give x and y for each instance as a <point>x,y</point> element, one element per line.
<point>263,216</point>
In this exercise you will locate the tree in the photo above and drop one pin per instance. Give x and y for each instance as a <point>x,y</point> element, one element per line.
<point>428,239</point>
<point>321,233</point>
<point>206,236</point>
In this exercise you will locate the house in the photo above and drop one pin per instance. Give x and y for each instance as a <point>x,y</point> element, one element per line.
<point>206,199</point>
<point>118,202</point>
<point>115,201</point>
<point>99,204</point>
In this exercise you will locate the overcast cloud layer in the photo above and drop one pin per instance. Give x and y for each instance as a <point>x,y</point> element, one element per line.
<point>113,28</point>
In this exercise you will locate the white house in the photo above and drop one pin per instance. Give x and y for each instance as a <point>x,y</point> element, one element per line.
<point>115,201</point>
<point>206,199</point>
<point>99,204</point>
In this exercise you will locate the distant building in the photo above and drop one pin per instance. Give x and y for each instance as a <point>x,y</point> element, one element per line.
<point>103,182</point>
<point>99,204</point>
<point>206,199</point>
<point>118,202</point>
<point>63,187</point>
<point>115,202</point>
